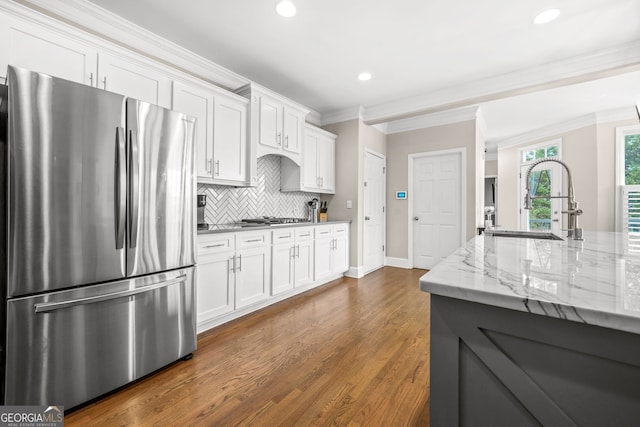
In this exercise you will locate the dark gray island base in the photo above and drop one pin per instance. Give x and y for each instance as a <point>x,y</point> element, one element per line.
<point>492,366</point>
<point>536,332</point>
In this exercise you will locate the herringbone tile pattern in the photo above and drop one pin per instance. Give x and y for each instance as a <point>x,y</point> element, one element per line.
<point>230,204</point>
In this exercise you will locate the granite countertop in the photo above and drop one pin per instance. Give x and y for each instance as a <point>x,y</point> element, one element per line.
<point>595,281</point>
<point>236,226</point>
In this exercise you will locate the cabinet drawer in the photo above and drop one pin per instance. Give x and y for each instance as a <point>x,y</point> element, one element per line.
<point>214,243</point>
<point>283,236</point>
<point>340,229</point>
<point>305,233</point>
<point>252,239</point>
<point>324,231</point>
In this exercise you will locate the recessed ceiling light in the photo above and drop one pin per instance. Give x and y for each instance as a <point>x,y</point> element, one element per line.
<point>546,16</point>
<point>364,76</point>
<point>285,8</point>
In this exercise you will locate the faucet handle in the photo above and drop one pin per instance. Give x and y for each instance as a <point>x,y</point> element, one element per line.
<point>573,211</point>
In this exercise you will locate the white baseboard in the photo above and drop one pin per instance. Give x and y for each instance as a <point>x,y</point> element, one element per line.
<point>355,272</point>
<point>397,262</point>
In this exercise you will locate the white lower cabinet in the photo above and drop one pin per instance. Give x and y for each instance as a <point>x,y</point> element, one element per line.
<point>243,271</point>
<point>331,250</point>
<point>292,259</point>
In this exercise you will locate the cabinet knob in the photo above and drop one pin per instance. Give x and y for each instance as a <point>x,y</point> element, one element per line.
<point>415,218</point>
<point>366,218</point>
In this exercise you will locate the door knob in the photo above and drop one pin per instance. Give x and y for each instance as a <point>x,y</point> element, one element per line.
<point>415,218</point>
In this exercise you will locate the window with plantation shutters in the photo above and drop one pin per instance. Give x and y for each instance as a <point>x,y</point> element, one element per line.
<point>631,208</point>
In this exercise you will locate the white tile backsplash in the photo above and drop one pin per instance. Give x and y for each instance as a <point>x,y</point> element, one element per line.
<point>230,204</point>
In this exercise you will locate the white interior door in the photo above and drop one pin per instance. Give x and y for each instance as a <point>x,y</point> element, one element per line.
<point>437,208</point>
<point>374,207</point>
<point>546,214</point>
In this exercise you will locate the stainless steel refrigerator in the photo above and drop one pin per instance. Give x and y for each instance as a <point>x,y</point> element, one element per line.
<point>98,213</point>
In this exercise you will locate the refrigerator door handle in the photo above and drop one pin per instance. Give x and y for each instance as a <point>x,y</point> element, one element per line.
<point>121,193</point>
<point>134,188</point>
<point>53,306</point>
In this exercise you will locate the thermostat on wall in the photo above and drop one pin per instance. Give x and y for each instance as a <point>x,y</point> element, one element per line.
<point>401,195</point>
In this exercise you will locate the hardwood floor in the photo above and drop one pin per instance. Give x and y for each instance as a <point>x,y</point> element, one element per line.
<point>351,353</point>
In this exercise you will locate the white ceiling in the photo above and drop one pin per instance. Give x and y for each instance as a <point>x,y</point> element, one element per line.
<point>425,56</point>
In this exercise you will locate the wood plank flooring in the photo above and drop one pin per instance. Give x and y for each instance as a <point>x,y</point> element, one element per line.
<point>350,353</point>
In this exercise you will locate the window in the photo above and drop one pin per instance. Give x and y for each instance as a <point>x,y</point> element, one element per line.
<point>628,179</point>
<point>529,155</point>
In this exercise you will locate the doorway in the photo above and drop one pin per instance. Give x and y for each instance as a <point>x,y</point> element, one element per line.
<point>545,180</point>
<point>437,208</point>
<point>374,211</point>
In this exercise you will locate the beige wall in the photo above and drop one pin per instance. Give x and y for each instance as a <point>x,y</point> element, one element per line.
<point>347,178</point>
<point>491,168</point>
<point>400,145</point>
<point>353,137</point>
<point>590,154</point>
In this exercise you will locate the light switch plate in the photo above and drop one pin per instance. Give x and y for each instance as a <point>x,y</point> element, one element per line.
<point>349,204</point>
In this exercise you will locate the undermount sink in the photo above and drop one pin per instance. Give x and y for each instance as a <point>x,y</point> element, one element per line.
<point>544,235</point>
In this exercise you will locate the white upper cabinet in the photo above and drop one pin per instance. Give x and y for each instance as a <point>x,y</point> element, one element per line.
<point>317,173</point>
<point>38,49</point>
<point>230,140</point>
<point>198,102</point>
<point>276,123</point>
<point>221,132</point>
<point>134,79</point>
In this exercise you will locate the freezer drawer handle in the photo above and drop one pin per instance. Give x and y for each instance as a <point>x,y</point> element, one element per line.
<point>53,306</point>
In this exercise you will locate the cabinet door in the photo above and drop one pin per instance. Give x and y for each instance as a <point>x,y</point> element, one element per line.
<point>310,179</point>
<point>215,295</point>
<point>292,129</point>
<point>197,102</point>
<point>303,265</point>
<point>270,122</point>
<point>323,258</point>
<point>282,268</point>
<point>37,49</point>
<point>326,164</point>
<point>340,255</point>
<point>252,275</point>
<point>133,79</point>
<point>230,140</point>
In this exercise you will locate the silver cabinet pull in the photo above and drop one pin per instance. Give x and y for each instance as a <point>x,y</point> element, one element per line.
<point>297,251</point>
<point>240,263</point>
<point>90,79</point>
<point>217,170</point>
<point>286,141</point>
<point>232,267</point>
<point>305,235</point>
<point>415,218</point>
<point>104,82</point>
<point>52,306</point>
<point>279,138</point>
<point>216,246</point>
<point>253,241</point>
<point>288,236</point>
<point>209,165</point>
<point>366,218</point>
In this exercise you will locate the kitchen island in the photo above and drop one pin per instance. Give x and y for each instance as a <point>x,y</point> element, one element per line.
<point>536,332</point>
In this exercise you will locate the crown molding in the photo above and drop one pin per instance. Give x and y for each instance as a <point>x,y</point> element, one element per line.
<point>343,115</point>
<point>605,63</point>
<point>607,116</point>
<point>616,115</point>
<point>547,131</point>
<point>431,120</point>
<point>96,20</point>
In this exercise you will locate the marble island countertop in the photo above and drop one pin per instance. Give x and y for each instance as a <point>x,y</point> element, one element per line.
<point>595,281</point>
